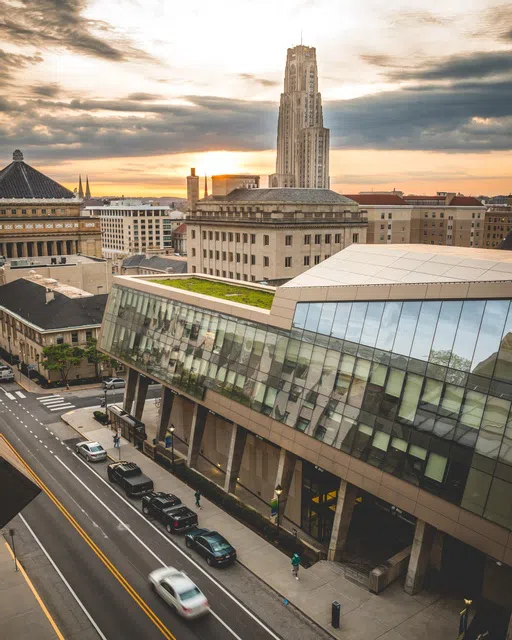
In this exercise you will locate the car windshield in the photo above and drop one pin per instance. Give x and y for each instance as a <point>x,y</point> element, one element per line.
<point>220,545</point>
<point>95,449</point>
<point>190,593</point>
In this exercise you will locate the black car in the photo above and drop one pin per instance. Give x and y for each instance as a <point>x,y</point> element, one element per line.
<point>168,509</point>
<point>210,544</point>
<point>129,476</point>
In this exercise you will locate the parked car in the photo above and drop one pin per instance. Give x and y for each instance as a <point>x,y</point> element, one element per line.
<point>129,476</point>
<point>168,509</point>
<point>92,451</point>
<point>178,590</point>
<point>114,383</point>
<point>211,545</point>
<point>6,373</point>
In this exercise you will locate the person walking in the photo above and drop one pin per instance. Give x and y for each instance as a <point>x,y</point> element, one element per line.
<point>295,565</point>
<point>116,441</point>
<point>197,496</point>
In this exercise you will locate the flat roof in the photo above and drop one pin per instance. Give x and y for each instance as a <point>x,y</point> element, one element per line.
<point>363,264</point>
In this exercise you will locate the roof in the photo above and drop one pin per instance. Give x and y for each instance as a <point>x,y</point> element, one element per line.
<point>28,300</point>
<point>377,198</point>
<point>162,263</point>
<point>303,196</point>
<point>20,180</point>
<point>361,264</point>
<point>465,201</point>
<point>181,229</point>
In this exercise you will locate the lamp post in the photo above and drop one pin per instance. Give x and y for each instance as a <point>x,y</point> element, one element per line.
<point>279,491</point>
<point>37,360</point>
<point>10,353</point>
<point>463,618</point>
<point>172,430</point>
<point>105,392</point>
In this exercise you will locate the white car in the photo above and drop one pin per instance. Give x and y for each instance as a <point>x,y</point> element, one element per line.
<point>115,383</point>
<point>92,451</point>
<point>178,590</point>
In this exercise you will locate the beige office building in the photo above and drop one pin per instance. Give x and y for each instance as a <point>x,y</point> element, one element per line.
<point>270,235</point>
<point>446,218</point>
<point>40,217</point>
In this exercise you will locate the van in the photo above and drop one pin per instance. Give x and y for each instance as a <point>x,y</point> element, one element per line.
<point>6,374</point>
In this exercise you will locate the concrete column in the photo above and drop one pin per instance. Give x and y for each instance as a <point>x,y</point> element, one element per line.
<point>166,402</point>
<point>14,249</point>
<point>129,392</point>
<point>236,453</point>
<point>140,397</point>
<point>284,475</point>
<point>55,251</point>
<point>436,554</point>
<point>196,434</point>
<point>24,251</point>
<point>44,246</point>
<point>509,630</point>
<point>347,494</point>
<point>418,564</point>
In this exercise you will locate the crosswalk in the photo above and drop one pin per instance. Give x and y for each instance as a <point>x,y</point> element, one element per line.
<point>55,403</point>
<point>11,396</point>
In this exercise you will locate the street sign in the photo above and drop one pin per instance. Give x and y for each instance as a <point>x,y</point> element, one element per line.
<point>273,507</point>
<point>168,442</point>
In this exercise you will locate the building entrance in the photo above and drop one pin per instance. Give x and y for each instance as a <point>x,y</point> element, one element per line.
<point>319,496</point>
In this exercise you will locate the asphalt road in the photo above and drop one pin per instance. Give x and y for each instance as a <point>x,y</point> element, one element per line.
<point>105,548</point>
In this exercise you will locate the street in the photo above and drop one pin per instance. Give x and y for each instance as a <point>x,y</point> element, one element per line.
<point>105,548</point>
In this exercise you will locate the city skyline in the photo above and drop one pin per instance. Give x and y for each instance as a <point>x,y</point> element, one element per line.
<point>414,99</point>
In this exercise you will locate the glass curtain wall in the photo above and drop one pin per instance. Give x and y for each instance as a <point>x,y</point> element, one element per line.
<point>419,389</point>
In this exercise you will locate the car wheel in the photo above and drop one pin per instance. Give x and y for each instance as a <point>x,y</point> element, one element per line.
<point>77,450</point>
<point>145,511</point>
<point>188,542</point>
<point>169,528</point>
<point>209,561</point>
<point>110,477</point>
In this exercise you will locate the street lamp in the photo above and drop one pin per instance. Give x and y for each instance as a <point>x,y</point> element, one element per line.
<point>10,353</point>
<point>279,491</point>
<point>463,618</point>
<point>105,392</point>
<point>172,430</point>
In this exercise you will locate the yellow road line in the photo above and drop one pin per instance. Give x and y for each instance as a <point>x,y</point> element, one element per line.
<point>37,596</point>
<point>99,553</point>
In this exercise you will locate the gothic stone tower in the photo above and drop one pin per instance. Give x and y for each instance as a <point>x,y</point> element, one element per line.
<point>302,139</point>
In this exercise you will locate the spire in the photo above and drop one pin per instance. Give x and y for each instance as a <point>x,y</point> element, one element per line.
<point>80,188</point>
<point>87,188</point>
<point>205,187</point>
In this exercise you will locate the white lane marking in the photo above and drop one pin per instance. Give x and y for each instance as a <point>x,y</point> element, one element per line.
<point>168,540</point>
<point>20,395</point>
<point>51,402</point>
<point>77,599</point>
<point>10,396</point>
<point>43,397</point>
<point>62,406</point>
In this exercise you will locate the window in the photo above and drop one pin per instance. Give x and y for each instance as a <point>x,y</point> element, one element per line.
<point>253,238</point>
<point>326,256</point>
<point>238,257</point>
<point>337,238</point>
<point>390,215</point>
<point>307,239</point>
<point>246,258</point>
<point>327,238</point>
<point>288,261</point>
<point>88,335</point>
<point>288,241</point>
<point>193,234</point>
<point>217,255</point>
<point>237,237</point>
<point>230,236</point>
<point>204,235</point>
<point>383,215</point>
<point>245,238</point>
<point>355,237</point>
<point>211,254</point>
<point>216,235</point>
<point>223,236</point>
<point>317,259</point>
<point>204,253</point>
<point>266,240</point>
<point>306,261</point>
<point>253,259</point>
<point>210,235</point>
<point>193,253</point>
<point>224,255</point>
<point>266,261</point>
<point>318,238</point>
<point>230,256</point>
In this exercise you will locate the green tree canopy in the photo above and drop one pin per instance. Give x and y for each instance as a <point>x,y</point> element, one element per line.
<point>62,358</point>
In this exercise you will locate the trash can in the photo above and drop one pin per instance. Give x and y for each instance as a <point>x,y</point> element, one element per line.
<point>335,614</point>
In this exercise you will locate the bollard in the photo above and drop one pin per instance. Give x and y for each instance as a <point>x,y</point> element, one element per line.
<point>335,614</point>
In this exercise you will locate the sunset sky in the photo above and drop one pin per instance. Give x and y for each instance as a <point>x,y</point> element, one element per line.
<point>418,95</point>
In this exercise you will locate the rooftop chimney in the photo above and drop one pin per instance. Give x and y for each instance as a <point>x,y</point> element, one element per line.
<point>50,295</point>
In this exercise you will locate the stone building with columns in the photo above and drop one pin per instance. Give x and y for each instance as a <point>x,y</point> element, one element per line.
<point>376,390</point>
<point>40,217</point>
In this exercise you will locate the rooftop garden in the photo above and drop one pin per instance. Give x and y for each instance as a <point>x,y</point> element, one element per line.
<point>243,295</point>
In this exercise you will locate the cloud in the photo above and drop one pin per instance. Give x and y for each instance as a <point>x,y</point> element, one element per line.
<point>61,23</point>
<point>10,62</point>
<point>496,22</point>
<point>418,18</point>
<point>51,90</point>
<point>475,65</point>
<point>264,82</point>
<point>144,97</point>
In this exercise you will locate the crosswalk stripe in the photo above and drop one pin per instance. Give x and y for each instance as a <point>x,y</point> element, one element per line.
<point>46,404</point>
<point>64,406</point>
<point>51,399</point>
<point>43,397</point>
<point>10,396</point>
<point>21,395</point>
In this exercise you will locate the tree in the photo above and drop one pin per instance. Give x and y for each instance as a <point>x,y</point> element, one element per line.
<point>98,357</point>
<point>62,358</point>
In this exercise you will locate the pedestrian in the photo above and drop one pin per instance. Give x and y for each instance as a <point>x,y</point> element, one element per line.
<point>116,441</point>
<point>295,565</point>
<point>197,496</point>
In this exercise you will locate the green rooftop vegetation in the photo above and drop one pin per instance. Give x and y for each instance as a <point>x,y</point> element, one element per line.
<point>243,295</point>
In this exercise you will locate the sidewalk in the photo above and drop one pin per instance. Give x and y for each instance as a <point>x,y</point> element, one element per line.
<point>392,615</point>
<point>21,616</point>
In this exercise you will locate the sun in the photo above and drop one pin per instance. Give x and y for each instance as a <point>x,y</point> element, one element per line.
<point>213,163</point>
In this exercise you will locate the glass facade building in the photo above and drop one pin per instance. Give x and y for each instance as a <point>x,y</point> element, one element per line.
<point>419,389</point>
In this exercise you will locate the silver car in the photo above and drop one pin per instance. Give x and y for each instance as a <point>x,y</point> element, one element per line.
<point>178,590</point>
<point>92,451</point>
<point>115,383</point>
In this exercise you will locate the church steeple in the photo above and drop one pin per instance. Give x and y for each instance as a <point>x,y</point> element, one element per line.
<point>205,187</point>
<point>80,188</point>
<point>87,189</point>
